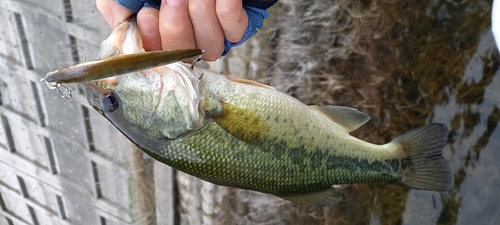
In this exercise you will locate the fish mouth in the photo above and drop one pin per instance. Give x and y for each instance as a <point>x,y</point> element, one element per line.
<point>158,88</point>
<point>178,80</point>
<point>172,78</point>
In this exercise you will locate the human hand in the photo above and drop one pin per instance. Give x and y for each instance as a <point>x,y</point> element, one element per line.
<point>184,24</point>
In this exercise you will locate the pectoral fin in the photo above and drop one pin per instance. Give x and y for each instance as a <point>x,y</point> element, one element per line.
<point>242,123</point>
<point>251,82</point>
<point>323,198</point>
<point>349,118</point>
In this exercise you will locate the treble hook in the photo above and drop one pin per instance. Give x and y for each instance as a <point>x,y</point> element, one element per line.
<point>65,93</point>
<point>197,58</point>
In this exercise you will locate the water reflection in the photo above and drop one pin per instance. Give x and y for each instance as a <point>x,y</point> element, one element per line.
<point>440,63</point>
<point>458,67</point>
<point>472,113</point>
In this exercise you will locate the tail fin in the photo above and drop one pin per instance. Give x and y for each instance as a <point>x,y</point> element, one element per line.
<point>423,165</point>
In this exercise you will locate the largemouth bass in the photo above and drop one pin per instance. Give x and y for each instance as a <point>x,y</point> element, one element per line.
<point>244,134</point>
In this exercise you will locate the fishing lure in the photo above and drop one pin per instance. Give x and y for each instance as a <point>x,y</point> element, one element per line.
<point>113,66</point>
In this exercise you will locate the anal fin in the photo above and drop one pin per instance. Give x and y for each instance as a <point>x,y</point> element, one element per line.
<point>322,198</point>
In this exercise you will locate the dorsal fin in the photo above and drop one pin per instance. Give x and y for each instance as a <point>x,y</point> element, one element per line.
<point>251,82</point>
<point>349,118</point>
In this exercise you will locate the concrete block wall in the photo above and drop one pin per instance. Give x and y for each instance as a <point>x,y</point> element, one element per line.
<point>60,163</point>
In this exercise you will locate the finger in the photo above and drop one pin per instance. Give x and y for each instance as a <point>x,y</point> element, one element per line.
<point>113,12</point>
<point>233,19</point>
<point>176,30</point>
<point>148,23</point>
<point>207,30</point>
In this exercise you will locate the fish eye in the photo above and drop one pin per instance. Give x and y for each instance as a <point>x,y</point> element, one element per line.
<point>110,102</point>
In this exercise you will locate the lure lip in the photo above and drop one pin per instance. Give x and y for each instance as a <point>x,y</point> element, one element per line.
<point>118,65</point>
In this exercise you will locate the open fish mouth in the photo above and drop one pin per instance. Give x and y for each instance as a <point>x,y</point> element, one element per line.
<point>155,90</point>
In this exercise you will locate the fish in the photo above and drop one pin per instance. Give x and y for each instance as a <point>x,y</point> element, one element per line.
<point>244,134</point>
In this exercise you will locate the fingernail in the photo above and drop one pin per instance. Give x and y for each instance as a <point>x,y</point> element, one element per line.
<point>174,2</point>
